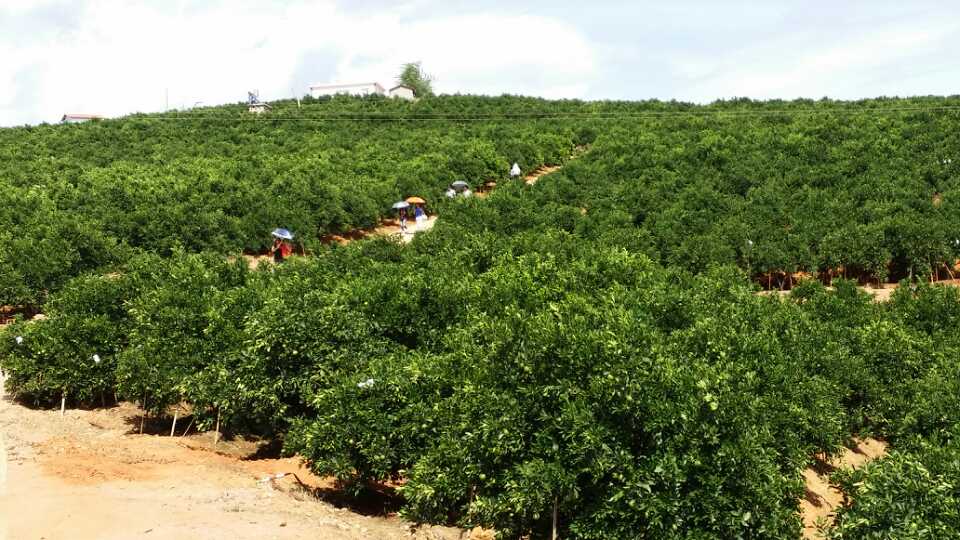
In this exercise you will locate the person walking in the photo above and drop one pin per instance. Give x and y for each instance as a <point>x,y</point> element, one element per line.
<point>403,220</point>
<point>281,250</point>
<point>515,171</point>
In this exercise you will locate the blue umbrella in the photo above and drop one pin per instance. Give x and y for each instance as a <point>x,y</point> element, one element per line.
<point>283,233</point>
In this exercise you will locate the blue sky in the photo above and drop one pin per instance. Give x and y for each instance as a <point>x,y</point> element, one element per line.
<point>113,57</point>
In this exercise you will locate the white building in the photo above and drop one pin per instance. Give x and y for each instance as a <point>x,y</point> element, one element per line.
<point>258,108</point>
<point>360,89</point>
<point>79,118</point>
<point>402,92</point>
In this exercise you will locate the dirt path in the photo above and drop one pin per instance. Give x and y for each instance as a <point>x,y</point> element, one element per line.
<point>391,227</point>
<point>4,526</point>
<point>881,294</point>
<point>82,476</point>
<point>388,227</point>
<point>822,499</point>
<point>532,178</point>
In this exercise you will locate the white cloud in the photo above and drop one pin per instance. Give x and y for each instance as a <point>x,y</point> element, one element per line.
<point>845,66</point>
<point>480,54</point>
<point>119,57</point>
<point>114,56</point>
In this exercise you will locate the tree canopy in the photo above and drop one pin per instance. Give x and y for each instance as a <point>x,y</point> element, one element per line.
<point>591,346</point>
<point>413,76</point>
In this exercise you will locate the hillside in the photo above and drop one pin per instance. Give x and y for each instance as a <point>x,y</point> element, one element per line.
<point>586,352</point>
<point>866,189</point>
<point>221,178</point>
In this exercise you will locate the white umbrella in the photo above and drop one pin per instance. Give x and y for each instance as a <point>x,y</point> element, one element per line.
<point>283,233</point>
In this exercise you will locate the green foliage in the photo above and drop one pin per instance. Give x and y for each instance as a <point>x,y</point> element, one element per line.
<point>911,495</point>
<point>73,198</point>
<point>74,352</point>
<point>176,331</point>
<point>412,75</point>
<point>591,343</point>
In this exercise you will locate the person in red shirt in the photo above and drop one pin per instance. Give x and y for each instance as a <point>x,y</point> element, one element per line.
<point>281,250</point>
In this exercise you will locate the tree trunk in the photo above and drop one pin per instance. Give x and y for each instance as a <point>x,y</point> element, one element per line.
<point>553,535</point>
<point>143,417</point>
<point>63,403</point>
<point>190,425</point>
<point>173,428</point>
<point>216,436</point>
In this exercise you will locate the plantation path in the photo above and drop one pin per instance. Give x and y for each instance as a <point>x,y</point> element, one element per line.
<point>544,170</point>
<point>388,227</point>
<point>881,294</point>
<point>391,227</point>
<point>822,499</point>
<point>83,477</point>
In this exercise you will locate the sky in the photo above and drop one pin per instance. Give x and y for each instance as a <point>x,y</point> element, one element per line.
<point>114,57</point>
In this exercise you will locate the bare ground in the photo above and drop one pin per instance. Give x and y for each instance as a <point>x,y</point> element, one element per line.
<point>822,499</point>
<point>880,294</point>
<point>85,476</point>
<point>391,227</point>
<point>388,227</point>
<point>532,178</point>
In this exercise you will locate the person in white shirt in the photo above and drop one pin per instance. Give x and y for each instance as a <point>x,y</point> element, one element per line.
<point>515,171</point>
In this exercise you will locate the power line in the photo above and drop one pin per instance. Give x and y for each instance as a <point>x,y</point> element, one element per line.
<point>444,117</point>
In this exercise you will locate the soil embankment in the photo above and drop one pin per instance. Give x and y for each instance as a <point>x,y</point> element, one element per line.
<point>822,498</point>
<point>391,227</point>
<point>84,476</point>
<point>879,294</point>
